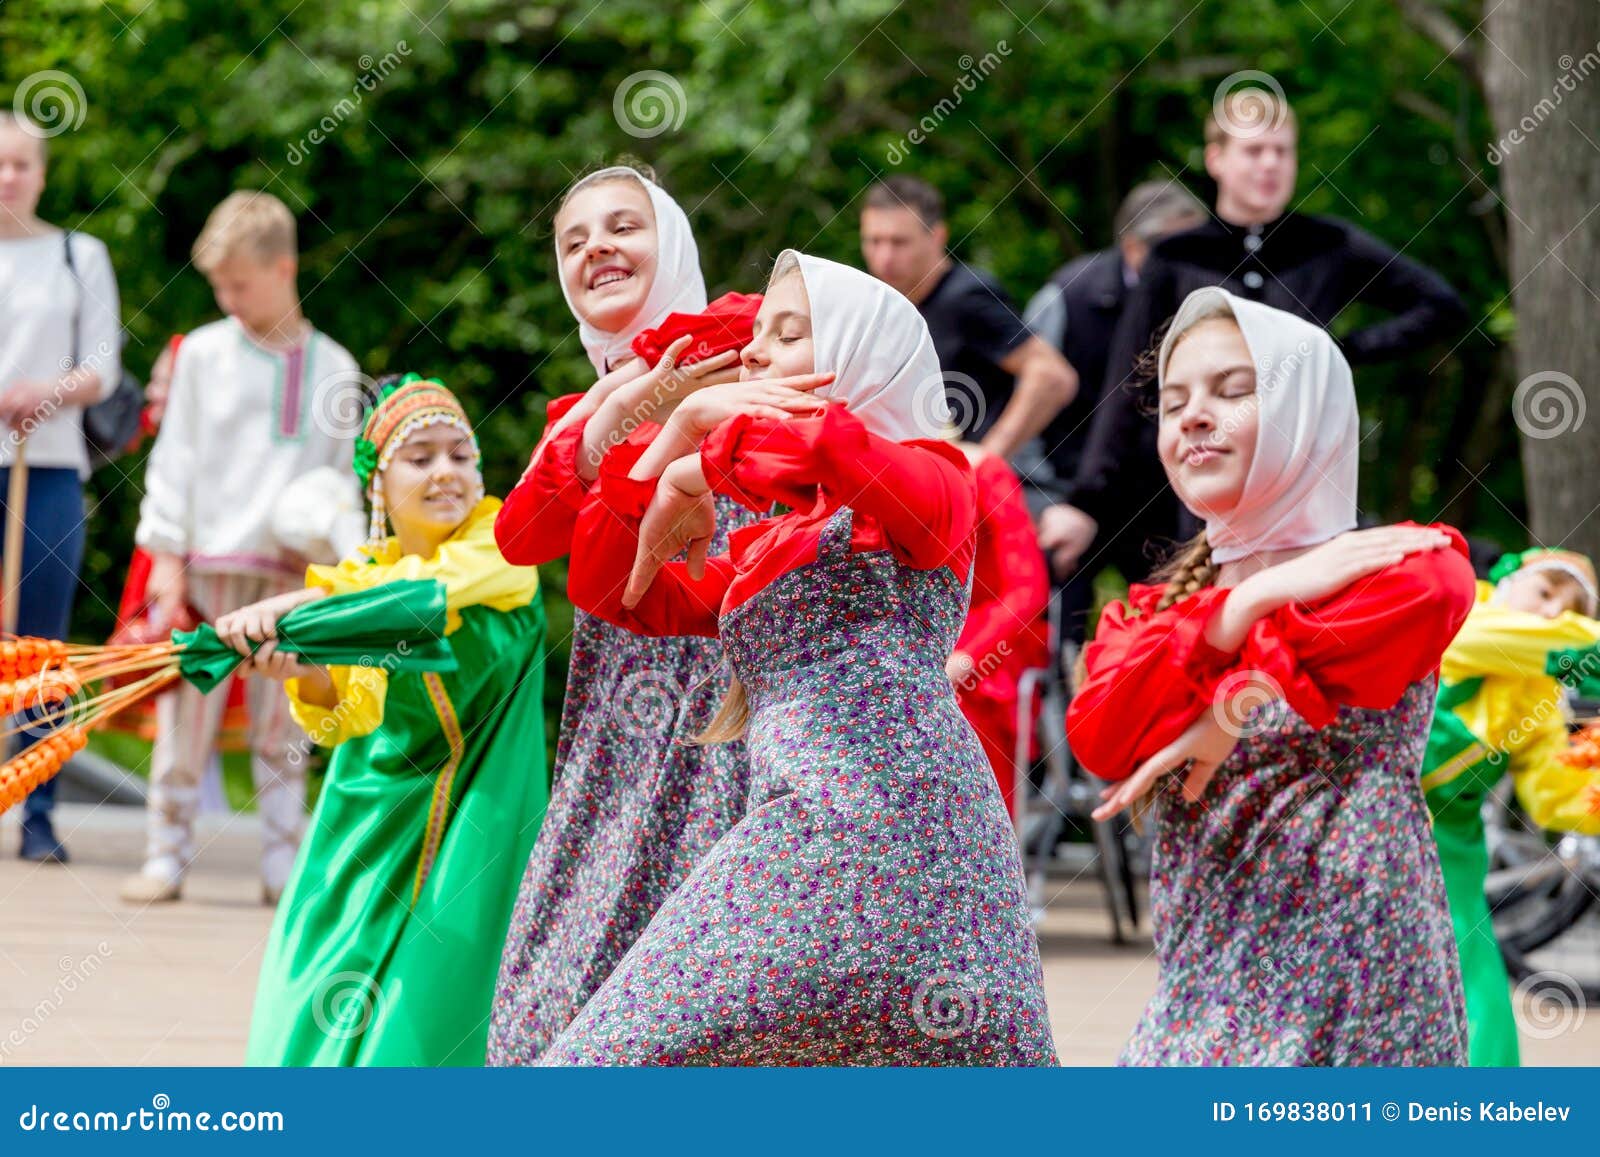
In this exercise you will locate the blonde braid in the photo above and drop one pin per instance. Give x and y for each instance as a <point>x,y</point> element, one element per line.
<point>1190,572</point>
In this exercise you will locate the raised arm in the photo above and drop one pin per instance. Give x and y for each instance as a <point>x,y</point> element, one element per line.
<point>1364,645</point>
<point>919,493</point>
<point>605,545</point>
<point>1152,675</point>
<point>535,525</point>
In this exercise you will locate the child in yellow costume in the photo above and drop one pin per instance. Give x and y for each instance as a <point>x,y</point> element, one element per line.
<point>1498,712</point>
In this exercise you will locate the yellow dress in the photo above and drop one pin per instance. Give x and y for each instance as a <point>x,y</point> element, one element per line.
<point>1498,713</point>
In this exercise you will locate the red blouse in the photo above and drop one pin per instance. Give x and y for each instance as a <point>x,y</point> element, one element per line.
<point>1010,588</point>
<point>913,499</point>
<point>535,524</point>
<point>1151,674</point>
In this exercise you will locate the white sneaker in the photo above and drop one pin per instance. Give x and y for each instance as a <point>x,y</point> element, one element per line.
<point>158,882</point>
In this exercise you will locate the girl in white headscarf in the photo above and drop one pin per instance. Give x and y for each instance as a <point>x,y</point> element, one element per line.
<point>869,908</point>
<point>632,809</point>
<point>1286,666</point>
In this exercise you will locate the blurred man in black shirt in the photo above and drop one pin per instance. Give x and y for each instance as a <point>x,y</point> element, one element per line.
<point>1002,383</point>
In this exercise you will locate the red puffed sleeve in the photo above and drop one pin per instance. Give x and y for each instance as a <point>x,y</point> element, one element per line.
<point>604,544</point>
<point>920,493</point>
<point>535,524</point>
<point>1360,647</point>
<point>1010,588</point>
<point>1363,646</point>
<point>1150,674</point>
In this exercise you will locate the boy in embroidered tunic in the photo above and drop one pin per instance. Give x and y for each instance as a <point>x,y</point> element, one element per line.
<point>257,400</point>
<point>1498,712</point>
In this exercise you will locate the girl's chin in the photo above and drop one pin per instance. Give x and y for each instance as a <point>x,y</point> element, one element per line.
<point>441,517</point>
<point>1209,505</point>
<point>613,314</point>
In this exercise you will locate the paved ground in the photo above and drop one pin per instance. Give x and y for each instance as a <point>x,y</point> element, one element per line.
<point>85,979</point>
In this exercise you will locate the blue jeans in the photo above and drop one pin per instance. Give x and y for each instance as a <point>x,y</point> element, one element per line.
<point>52,553</point>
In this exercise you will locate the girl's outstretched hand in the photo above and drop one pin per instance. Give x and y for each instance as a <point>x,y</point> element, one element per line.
<point>705,410</point>
<point>682,517</point>
<point>1198,752</point>
<point>258,622</point>
<point>283,665</point>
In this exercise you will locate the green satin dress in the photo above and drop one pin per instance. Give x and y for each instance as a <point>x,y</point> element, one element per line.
<point>386,943</point>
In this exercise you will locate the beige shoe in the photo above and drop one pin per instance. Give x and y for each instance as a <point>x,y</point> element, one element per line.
<point>143,889</point>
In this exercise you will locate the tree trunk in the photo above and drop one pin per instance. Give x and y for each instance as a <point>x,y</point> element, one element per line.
<point>1541,71</point>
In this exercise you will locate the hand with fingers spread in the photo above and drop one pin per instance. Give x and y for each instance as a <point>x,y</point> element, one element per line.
<point>705,410</point>
<point>649,397</point>
<point>1202,748</point>
<point>1322,571</point>
<point>682,517</point>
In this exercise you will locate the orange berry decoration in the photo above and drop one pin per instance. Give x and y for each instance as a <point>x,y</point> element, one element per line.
<point>20,658</point>
<point>1583,749</point>
<point>39,762</point>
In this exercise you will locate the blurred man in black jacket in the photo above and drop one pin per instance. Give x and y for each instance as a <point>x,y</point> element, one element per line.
<point>1311,266</point>
<point>1077,312</point>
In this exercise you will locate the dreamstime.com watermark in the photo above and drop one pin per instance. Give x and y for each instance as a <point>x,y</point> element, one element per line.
<point>1572,73</point>
<point>50,103</point>
<point>160,1117</point>
<point>973,73</point>
<point>373,73</point>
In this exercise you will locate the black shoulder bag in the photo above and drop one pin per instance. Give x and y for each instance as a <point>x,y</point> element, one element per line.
<point>110,426</point>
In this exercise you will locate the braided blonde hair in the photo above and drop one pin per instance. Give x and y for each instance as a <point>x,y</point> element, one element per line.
<point>1188,573</point>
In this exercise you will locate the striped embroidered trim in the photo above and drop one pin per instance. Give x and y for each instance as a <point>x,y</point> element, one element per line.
<point>439,808</point>
<point>293,383</point>
<point>1454,766</point>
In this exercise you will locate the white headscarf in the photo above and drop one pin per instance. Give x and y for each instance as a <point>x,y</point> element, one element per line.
<point>874,339</point>
<point>678,286</point>
<point>1300,489</point>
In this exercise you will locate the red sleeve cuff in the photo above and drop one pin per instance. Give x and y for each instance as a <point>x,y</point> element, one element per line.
<point>720,455</point>
<point>1266,651</point>
<point>626,497</point>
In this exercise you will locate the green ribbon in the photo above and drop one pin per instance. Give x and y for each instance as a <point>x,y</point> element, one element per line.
<point>399,626</point>
<point>1578,668</point>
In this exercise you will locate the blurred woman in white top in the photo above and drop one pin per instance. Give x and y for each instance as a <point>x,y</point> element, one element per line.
<point>60,346</point>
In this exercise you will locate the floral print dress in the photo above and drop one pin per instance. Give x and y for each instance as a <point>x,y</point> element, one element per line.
<point>869,908</point>
<point>633,806</point>
<point>1299,910</point>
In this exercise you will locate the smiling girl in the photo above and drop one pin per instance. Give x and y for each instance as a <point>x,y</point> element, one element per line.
<point>384,947</point>
<point>869,908</point>
<point>1286,668</point>
<point>633,808</point>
